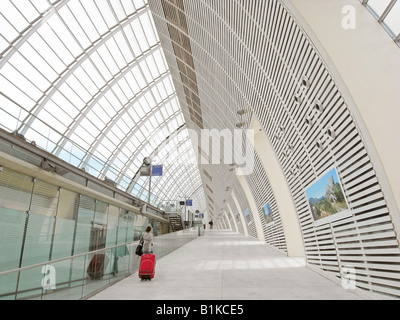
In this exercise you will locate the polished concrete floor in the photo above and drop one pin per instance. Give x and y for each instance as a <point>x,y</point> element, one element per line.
<point>222,265</point>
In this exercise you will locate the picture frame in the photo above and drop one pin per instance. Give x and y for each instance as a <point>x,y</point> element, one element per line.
<point>326,198</point>
<point>267,213</point>
<point>247,217</point>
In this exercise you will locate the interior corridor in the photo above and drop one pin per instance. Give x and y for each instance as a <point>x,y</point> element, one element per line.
<point>222,265</point>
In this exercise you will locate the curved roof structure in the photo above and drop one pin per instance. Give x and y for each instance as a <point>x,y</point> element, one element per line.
<point>387,13</point>
<point>88,82</point>
<point>103,84</point>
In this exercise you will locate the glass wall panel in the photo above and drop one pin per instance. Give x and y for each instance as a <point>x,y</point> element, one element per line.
<point>121,265</point>
<point>97,271</point>
<point>30,283</point>
<point>82,236</point>
<point>131,230</point>
<point>38,237</point>
<point>140,225</point>
<point>98,241</point>
<point>67,211</point>
<point>41,223</point>
<point>15,198</point>
<point>99,227</point>
<point>84,224</point>
<point>78,275</point>
<point>57,279</point>
<point>112,226</point>
<point>122,227</point>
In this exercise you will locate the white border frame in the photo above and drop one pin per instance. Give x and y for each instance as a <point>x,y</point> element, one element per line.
<point>270,213</point>
<point>334,217</point>
<point>245,217</point>
<point>375,159</point>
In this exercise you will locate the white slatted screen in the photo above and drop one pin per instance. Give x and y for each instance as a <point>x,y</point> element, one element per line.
<point>250,54</point>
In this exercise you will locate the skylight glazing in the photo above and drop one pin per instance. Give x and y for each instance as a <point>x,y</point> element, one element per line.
<point>87,81</point>
<point>387,12</point>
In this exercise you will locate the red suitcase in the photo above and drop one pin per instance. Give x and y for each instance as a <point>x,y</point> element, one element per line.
<point>147,266</point>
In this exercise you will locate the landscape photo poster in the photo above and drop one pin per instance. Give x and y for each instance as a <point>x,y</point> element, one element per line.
<point>326,197</point>
<point>247,216</point>
<point>267,213</point>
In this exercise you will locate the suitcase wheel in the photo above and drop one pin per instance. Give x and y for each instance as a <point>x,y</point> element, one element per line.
<point>145,279</point>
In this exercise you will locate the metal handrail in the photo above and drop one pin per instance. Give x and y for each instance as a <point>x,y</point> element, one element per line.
<point>2,273</point>
<point>31,149</point>
<point>65,259</point>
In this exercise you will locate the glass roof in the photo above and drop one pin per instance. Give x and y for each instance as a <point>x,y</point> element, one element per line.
<point>387,12</point>
<point>88,81</point>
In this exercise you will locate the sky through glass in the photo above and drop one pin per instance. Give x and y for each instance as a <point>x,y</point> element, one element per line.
<point>88,81</point>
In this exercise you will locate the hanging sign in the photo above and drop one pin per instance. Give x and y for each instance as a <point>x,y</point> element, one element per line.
<point>157,171</point>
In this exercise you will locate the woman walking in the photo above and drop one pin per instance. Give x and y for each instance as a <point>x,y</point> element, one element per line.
<point>148,261</point>
<point>148,241</point>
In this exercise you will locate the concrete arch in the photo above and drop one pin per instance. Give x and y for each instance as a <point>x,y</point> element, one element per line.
<point>284,199</point>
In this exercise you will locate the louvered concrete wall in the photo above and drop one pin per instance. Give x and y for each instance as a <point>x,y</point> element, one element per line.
<point>253,54</point>
<point>213,118</point>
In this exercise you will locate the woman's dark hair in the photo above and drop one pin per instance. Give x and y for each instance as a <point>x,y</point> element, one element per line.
<point>148,229</point>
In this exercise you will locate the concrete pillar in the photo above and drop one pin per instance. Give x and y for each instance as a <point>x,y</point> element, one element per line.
<point>283,197</point>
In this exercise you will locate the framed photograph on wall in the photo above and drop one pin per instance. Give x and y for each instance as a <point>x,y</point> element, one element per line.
<point>247,216</point>
<point>326,199</point>
<point>267,214</point>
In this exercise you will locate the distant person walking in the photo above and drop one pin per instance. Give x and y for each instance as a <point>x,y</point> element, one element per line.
<point>211,224</point>
<point>148,241</point>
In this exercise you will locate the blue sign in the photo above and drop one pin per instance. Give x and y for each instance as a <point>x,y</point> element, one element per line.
<point>157,171</point>
<point>247,216</point>
<point>189,203</point>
